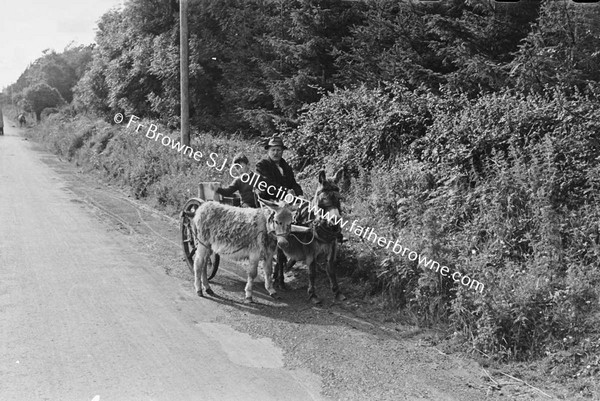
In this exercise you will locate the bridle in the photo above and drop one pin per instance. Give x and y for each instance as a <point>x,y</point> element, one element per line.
<point>328,203</point>
<point>321,230</point>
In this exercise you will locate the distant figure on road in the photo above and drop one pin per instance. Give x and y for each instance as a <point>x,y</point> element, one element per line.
<point>22,120</point>
<point>1,123</point>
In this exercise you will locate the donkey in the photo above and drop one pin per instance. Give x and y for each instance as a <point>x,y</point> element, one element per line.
<point>239,233</point>
<point>321,242</point>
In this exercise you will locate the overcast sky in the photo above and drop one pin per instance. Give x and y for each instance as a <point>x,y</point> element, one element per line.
<point>27,27</point>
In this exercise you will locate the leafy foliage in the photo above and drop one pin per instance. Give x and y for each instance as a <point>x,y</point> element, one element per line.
<point>360,127</point>
<point>59,71</point>
<point>41,96</point>
<point>561,50</point>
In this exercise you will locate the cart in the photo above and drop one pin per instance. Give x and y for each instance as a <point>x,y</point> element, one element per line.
<point>206,193</point>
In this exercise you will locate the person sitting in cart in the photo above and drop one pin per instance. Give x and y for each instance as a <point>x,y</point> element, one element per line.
<point>246,190</point>
<point>275,171</point>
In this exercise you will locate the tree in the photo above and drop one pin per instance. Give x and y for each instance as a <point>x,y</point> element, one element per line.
<point>561,50</point>
<point>300,64</point>
<point>40,96</point>
<point>460,43</point>
<point>91,91</point>
<point>59,70</point>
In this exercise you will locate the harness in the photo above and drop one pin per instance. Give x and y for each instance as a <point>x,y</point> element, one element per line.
<point>321,230</point>
<point>326,233</point>
<point>305,243</point>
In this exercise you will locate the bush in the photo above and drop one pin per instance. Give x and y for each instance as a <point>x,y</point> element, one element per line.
<point>502,188</point>
<point>48,111</point>
<point>359,127</point>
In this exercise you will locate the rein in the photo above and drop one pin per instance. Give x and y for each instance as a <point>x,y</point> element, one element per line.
<point>306,243</point>
<point>327,236</point>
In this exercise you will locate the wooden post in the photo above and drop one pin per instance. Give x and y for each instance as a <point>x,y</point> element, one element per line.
<point>184,72</point>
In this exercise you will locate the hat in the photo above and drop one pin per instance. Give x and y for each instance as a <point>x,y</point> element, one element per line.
<point>275,140</point>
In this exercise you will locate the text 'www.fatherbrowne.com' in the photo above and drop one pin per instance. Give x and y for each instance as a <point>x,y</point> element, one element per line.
<point>369,234</point>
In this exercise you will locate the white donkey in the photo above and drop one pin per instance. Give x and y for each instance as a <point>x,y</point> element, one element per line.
<point>239,234</point>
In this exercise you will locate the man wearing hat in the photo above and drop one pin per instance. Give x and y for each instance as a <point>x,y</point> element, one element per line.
<point>275,171</point>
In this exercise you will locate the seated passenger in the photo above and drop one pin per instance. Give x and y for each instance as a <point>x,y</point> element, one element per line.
<point>275,171</point>
<point>246,191</point>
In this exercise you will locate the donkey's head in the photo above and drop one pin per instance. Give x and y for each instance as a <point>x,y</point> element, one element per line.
<point>327,196</point>
<point>279,222</point>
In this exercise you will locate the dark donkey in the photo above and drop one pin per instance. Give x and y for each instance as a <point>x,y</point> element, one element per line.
<point>321,241</point>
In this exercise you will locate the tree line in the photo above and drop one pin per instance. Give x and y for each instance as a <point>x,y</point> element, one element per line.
<point>255,64</point>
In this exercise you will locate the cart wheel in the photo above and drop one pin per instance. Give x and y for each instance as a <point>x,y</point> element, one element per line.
<point>188,241</point>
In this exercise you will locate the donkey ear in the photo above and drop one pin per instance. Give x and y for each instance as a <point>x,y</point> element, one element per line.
<point>322,176</point>
<point>338,175</point>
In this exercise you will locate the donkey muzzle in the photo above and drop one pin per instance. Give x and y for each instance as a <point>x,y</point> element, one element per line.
<point>282,242</point>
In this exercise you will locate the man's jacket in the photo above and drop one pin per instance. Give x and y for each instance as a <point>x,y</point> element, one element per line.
<point>270,174</point>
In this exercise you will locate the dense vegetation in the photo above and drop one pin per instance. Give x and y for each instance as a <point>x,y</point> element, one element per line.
<point>471,128</point>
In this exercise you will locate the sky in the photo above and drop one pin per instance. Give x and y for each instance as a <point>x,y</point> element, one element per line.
<point>28,27</point>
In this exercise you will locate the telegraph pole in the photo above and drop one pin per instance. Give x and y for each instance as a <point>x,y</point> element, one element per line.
<point>184,72</point>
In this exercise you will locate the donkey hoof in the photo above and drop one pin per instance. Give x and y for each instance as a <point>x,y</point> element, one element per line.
<point>210,292</point>
<point>315,300</point>
<point>275,295</point>
<point>248,300</point>
<point>199,292</point>
<point>340,297</point>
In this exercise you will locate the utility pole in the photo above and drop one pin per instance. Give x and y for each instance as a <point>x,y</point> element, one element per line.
<point>184,72</point>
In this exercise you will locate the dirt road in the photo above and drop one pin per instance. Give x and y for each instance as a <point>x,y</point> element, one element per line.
<point>97,303</point>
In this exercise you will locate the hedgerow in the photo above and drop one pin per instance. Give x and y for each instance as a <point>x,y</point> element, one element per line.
<point>503,188</point>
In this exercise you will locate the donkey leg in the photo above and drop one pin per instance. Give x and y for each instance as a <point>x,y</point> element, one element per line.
<point>276,267</point>
<point>200,277</point>
<point>278,275</point>
<point>252,272</point>
<point>339,296</point>
<point>331,263</point>
<point>268,267</point>
<point>197,267</point>
<point>312,275</point>
<point>205,284</point>
<point>290,264</point>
